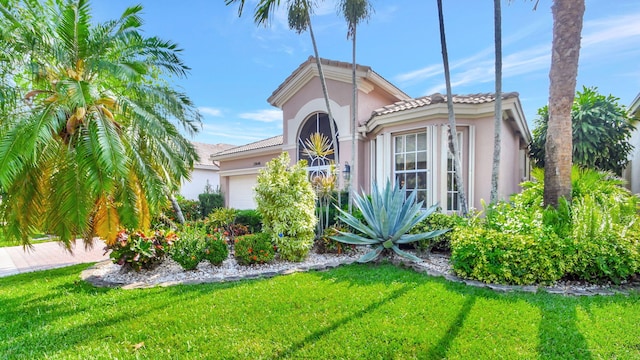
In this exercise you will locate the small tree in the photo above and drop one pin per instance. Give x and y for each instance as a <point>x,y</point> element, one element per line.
<point>601,131</point>
<point>287,202</point>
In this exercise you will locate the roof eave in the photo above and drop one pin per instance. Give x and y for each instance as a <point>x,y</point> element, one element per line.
<point>248,153</point>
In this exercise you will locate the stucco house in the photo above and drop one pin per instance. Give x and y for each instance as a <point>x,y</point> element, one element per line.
<point>398,137</point>
<point>632,172</point>
<point>205,171</point>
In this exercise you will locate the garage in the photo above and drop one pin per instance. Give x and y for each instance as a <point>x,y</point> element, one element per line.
<point>241,191</point>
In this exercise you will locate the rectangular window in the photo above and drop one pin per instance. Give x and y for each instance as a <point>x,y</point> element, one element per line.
<point>452,186</point>
<point>410,164</point>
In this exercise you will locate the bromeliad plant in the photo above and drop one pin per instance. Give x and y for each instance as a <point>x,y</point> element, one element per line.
<point>389,216</point>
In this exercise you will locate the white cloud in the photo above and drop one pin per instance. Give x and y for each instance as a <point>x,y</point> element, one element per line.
<point>210,111</point>
<point>619,30</point>
<point>268,115</point>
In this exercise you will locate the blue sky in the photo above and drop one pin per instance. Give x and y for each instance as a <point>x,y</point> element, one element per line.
<point>236,65</point>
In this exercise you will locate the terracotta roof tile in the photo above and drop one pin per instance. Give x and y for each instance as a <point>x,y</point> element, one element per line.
<point>261,144</point>
<point>439,98</point>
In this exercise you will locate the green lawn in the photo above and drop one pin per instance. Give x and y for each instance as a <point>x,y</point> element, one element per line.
<point>35,238</point>
<point>356,311</point>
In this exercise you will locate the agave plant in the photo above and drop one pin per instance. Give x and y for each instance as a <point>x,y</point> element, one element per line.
<point>388,216</point>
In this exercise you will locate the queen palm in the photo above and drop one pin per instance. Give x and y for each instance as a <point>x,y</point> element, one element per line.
<point>95,145</point>
<point>567,29</point>
<point>299,17</point>
<point>497,130</point>
<point>453,138</point>
<point>354,11</point>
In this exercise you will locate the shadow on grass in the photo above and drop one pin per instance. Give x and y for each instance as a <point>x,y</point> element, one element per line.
<point>315,336</point>
<point>558,333</point>
<point>439,351</point>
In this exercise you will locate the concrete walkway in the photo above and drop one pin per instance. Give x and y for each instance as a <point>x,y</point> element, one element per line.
<point>48,255</point>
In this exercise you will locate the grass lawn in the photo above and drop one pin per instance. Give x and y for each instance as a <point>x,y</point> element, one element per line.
<point>35,238</point>
<point>356,311</point>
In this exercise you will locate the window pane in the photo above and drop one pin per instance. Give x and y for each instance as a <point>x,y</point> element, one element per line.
<point>400,180</point>
<point>422,196</point>
<point>422,141</point>
<point>422,180</point>
<point>411,161</point>
<point>411,142</point>
<point>411,181</point>
<point>399,162</point>
<point>399,147</point>
<point>421,162</point>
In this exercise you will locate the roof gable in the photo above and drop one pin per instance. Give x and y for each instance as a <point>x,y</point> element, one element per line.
<point>334,70</point>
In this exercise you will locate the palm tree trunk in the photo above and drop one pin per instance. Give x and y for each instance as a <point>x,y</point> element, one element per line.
<point>325,92</point>
<point>453,138</point>
<point>567,28</point>
<point>354,115</point>
<point>176,209</point>
<point>495,171</point>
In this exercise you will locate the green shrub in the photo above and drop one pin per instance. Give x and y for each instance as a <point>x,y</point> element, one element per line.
<point>254,249</point>
<point>436,221</point>
<point>251,219</point>
<point>286,201</point>
<point>139,251</point>
<point>606,236</point>
<point>493,256</point>
<point>190,209</point>
<point>596,238</point>
<point>222,217</point>
<point>215,248</point>
<point>188,250</point>
<point>209,201</point>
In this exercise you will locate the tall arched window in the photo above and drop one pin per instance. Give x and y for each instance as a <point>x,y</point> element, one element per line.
<point>316,123</point>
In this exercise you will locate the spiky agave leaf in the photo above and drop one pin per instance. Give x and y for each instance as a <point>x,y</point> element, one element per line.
<point>388,217</point>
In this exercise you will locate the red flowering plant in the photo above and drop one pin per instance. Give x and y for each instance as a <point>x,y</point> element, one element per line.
<point>254,249</point>
<point>140,251</point>
<point>216,249</point>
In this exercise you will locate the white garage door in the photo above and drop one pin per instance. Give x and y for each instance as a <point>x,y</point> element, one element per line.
<point>241,191</point>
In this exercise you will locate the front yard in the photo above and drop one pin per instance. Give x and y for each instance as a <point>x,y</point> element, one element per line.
<point>355,311</point>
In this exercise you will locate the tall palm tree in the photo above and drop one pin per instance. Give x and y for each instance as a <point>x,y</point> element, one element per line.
<point>453,138</point>
<point>95,144</point>
<point>495,171</point>
<point>354,11</point>
<point>299,17</point>
<point>567,29</point>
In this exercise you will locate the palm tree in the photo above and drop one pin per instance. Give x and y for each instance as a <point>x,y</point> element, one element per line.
<point>453,138</point>
<point>299,16</point>
<point>95,144</point>
<point>567,28</point>
<point>495,171</point>
<point>354,11</point>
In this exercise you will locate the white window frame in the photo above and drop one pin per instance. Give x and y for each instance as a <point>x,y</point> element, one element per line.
<point>444,155</point>
<point>428,188</point>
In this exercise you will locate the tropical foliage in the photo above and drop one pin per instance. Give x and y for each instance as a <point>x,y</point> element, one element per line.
<point>324,182</point>
<point>602,131</point>
<point>285,198</point>
<point>254,249</point>
<point>595,238</point>
<point>388,217</point>
<point>138,250</point>
<point>91,138</point>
